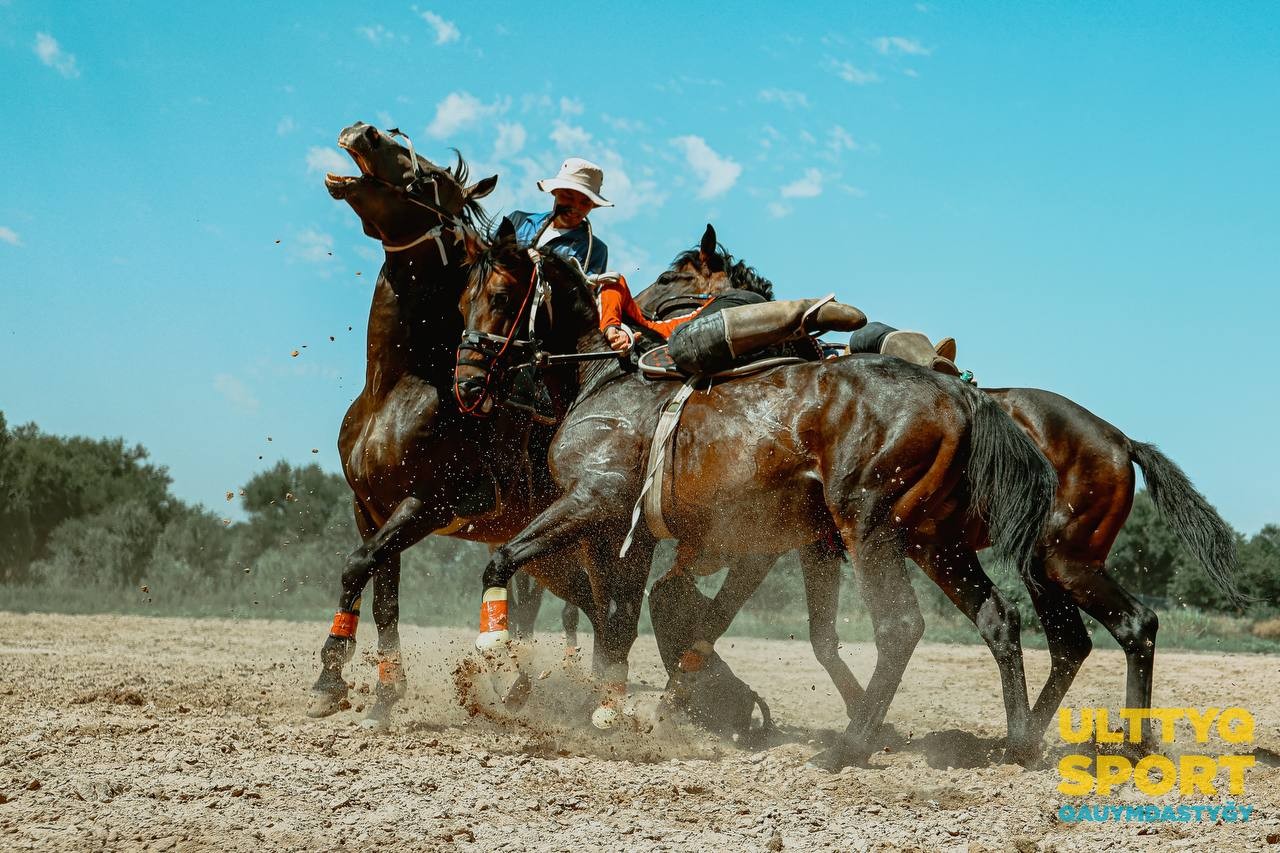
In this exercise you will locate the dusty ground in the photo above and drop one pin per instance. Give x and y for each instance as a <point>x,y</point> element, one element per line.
<point>132,733</point>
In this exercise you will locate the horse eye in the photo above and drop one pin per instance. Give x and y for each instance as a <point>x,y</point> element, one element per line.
<point>499,300</point>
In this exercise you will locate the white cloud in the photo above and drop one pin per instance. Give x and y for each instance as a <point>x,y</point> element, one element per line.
<point>8,235</point>
<point>312,246</point>
<point>52,55</point>
<point>569,138</point>
<point>286,126</point>
<point>236,392</point>
<point>446,31</point>
<point>849,72</point>
<point>778,210</point>
<point>718,174</point>
<point>788,98</point>
<point>571,107</point>
<point>840,139</point>
<point>911,72</point>
<point>376,33</point>
<point>624,125</point>
<point>628,196</point>
<point>807,187</point>
<point>460,110</point>
<point>511,138</point>
<point>899,44</point>
<point>322,160</point>
<point>856,192</point>
<point>625,257</point>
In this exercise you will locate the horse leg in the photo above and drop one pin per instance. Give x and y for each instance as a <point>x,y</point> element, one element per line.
<point>956,570</point>
<point>527,601</point>
<point>821,566</point>
<point>392,684</point>
<point>569,621</point>
<point>895,617</point>
<point>1131,622</point>
<point>405,527</point>
<point>1069,644</point>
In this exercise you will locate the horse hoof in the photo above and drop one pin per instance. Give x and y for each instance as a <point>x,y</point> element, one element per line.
<point>518,693</point>
<point>325,705</point>
<point>1026,755</point>
<point>605,717</point>
<point>831,760</point>
<point>376,724</point>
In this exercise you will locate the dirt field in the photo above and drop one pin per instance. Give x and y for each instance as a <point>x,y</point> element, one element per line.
<point>170,734</point>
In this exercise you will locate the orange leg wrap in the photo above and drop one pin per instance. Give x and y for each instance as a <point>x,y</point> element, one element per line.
<point>344,624</point>
<point>493,616</point>
<point>390,670</point>
<point>691,661</point>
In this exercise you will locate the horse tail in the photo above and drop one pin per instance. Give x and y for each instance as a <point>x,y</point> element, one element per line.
<point>1196,523</point>
<point>1012,485</point>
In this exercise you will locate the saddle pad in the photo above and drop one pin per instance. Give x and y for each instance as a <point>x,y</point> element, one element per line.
<point>658,364</point>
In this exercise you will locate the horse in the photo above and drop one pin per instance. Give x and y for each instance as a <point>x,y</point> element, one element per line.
<point>880,453</point>
<point>1094,462</point>
<point>407,452</point>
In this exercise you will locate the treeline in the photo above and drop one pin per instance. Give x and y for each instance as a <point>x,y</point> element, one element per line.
<point>91,524</point>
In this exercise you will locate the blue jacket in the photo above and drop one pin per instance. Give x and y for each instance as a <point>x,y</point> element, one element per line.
<point>573,244</point>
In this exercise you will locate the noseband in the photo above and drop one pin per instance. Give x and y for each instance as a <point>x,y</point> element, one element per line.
<point>493,349</point>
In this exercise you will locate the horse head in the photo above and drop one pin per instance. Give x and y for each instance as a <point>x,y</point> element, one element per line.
<point>517,301</point>
<point>399,195</point>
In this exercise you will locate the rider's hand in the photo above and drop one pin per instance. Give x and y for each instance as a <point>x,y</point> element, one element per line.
<point>619,341</point>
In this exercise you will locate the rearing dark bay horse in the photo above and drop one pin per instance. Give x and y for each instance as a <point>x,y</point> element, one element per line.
<point>877,451</point>
<point>415,464</point>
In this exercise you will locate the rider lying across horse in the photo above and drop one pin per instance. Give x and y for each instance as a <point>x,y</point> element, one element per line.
<point>706,346</point>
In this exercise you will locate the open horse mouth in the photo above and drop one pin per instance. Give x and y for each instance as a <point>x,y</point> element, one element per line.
<point>340,185</point>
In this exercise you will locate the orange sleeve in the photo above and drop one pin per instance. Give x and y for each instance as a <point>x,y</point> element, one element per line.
<point>614,296</point>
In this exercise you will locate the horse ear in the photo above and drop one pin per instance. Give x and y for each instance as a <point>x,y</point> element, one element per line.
<point>481,188</point>
<point>506,229</point>
<point>707,249</point>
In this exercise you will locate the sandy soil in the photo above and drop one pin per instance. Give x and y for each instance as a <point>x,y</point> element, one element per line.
<point>171,734</point>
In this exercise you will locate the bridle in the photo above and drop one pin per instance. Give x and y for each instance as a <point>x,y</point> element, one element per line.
<point>415,193</point>
<point>494,349</point>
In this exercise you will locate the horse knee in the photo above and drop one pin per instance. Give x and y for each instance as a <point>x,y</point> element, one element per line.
<point>1136,632</point>
<point>999,624</point>
<point>901,630</point>
<point>825,644</point>
<point>359,568</point>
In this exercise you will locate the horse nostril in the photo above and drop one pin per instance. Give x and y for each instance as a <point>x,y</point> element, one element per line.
<point>371,133</point>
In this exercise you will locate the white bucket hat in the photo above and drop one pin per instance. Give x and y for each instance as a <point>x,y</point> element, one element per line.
<point>581,175</point>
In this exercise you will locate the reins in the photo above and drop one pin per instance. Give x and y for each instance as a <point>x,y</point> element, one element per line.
<point>538,292</point>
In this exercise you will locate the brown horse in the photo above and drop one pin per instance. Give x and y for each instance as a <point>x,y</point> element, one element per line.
<point>1094,463</point>
<point>415,464</point>
<point>882,453</point>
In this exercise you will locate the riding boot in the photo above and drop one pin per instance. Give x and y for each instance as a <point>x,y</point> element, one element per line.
<point>711,342</point>
<point>751,327</point>
<point>916,348</point>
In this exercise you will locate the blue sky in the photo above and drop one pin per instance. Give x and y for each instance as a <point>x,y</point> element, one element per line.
<point>1084,194</point>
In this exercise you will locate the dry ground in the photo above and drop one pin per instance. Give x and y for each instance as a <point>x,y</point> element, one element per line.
<point>138,733</point>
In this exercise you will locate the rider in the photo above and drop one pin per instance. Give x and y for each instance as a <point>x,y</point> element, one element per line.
<point>577,192</point>
<point>567,231</point>
<point>907,345</point>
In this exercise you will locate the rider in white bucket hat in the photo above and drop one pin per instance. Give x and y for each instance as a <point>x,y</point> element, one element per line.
<point>577,193</point>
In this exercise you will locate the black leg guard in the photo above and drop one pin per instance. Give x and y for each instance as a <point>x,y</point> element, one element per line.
<point>870,337</point>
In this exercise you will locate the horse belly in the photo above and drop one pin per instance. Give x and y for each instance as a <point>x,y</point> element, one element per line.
<point>743,480</point>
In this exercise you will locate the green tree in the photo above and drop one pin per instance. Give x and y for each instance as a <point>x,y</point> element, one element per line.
<point>46,480</point>
<point>112,546</point>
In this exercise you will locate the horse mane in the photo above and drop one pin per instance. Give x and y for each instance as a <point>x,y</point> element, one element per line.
<point>740,275</point>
